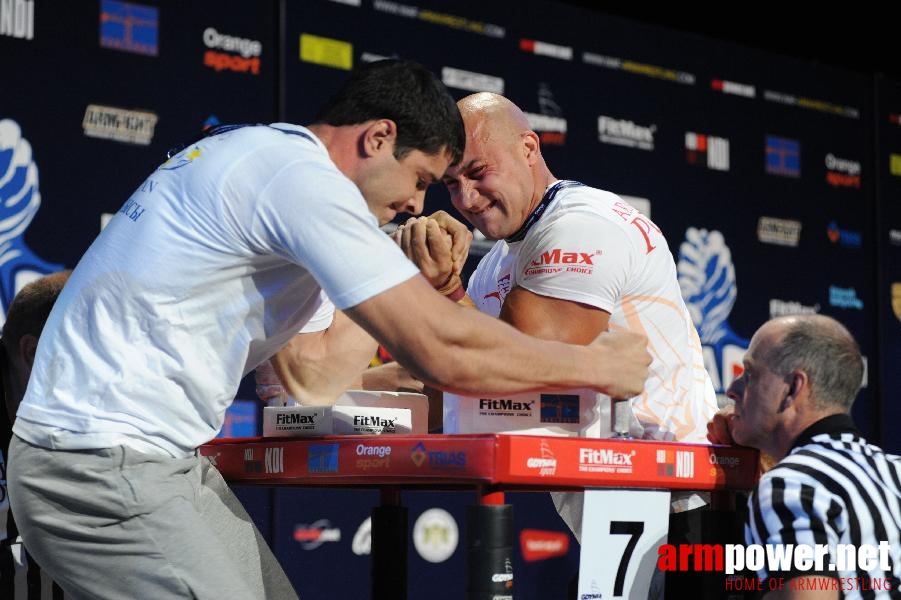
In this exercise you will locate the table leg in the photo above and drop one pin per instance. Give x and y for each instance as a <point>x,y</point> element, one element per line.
<point>389,547</point>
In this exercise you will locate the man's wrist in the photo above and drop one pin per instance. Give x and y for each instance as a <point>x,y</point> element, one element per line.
<point>457,294</point>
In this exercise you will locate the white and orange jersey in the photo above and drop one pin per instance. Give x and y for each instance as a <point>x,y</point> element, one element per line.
<point>591,247</point>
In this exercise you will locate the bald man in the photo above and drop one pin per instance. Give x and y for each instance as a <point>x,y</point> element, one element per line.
<point>830,486</point>
<point>572,261</point>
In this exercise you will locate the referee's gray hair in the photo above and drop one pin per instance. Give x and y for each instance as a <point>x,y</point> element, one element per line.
<point>825,350</point>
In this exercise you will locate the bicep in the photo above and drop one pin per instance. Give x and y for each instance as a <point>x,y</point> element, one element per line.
<point>553,318</point>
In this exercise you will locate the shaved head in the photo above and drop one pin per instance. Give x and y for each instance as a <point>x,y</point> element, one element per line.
<point>488,116</point>
<point>502,176</point>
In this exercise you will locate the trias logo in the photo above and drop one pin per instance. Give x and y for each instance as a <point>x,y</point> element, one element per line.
<point>622,132</point>
<point>421,455</point>
<point>605,460</point>
<point>557,260</point>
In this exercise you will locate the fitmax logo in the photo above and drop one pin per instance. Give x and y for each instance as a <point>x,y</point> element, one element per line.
<point>295,419</point>
<point>590,456</point>
<point>489,404</point>
<point>558,257</point>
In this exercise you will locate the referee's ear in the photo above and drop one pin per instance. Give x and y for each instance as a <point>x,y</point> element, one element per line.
<point>798,382</point>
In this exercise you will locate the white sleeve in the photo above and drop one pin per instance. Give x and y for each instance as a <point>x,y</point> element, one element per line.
<point>323,316</point>
<point>579,256</point>
<point>312,215</point>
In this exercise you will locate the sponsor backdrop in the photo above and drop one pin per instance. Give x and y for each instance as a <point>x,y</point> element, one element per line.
<point>766,174</point>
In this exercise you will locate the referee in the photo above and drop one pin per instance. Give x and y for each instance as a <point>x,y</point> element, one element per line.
<point>20,576</point>
<point>830,487</point>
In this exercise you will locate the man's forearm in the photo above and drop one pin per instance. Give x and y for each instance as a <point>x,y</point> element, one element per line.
<point>316,368</point>
<point>467,352</point>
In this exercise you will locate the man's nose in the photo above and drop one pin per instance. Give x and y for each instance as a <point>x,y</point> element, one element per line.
<point>465,195</point>
<point>736,388</point>
<point>415,203</point>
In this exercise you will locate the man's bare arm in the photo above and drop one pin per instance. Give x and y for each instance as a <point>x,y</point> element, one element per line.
<point>553,318</point>
<point>461,350</point>
<point>315,368</point>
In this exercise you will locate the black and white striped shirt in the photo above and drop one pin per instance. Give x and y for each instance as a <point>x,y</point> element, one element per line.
<point>20,576</point>
<point>833,488</point>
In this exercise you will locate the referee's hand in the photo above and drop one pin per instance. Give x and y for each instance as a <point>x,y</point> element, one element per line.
<point>719,429</point>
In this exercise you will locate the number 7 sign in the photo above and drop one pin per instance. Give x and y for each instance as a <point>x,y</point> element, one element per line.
<point>621,533</point>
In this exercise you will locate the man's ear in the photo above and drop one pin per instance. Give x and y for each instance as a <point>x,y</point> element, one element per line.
<point>531,146</point>
<point>381,135</point>
<point>798,385</point>
<point>28,345</point>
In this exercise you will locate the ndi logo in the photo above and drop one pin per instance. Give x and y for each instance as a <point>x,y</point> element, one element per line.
<point>707,150</point>
<point>17,19</point>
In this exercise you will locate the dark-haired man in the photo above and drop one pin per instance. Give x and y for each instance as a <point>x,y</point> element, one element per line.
<point>218,259</point>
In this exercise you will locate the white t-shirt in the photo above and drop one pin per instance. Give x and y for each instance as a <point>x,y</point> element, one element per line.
<point>210,267</point>
<point>592,247</point>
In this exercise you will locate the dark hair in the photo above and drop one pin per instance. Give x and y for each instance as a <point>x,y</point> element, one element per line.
<point>827,352</point>
<point>426,116</point>
<point>30,308</point>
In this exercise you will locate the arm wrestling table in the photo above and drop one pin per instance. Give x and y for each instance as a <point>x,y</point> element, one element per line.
<point>489,464</point>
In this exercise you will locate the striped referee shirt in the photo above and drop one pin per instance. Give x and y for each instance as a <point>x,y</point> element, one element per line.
<point>20,576</point>
<point>833,488</point>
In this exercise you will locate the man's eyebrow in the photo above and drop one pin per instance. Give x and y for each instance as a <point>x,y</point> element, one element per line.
<point>464,167</point>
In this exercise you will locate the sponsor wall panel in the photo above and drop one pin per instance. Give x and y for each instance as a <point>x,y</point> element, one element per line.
<point>100,118</point>
<point>749,158</point>
<point>888,169</point>
<point>680,122</point>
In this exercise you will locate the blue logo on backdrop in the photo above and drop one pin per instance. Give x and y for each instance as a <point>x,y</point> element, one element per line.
<point>20,200</point>
<point>843,237</point>
<point>707,281</point>
<point>783,156</point>
<point>129,27</point>
<point>844,297</point>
